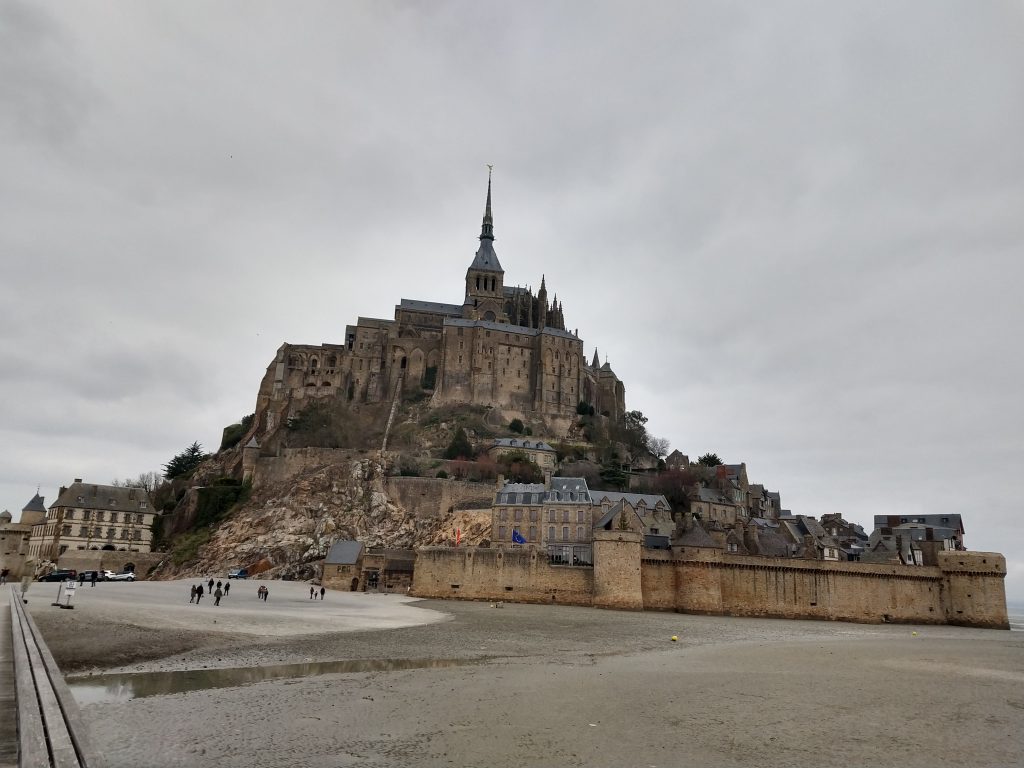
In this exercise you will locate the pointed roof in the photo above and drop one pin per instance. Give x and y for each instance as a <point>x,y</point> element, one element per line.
<point>35,505</point>
<point>486,259</point>
<point>597,360</point>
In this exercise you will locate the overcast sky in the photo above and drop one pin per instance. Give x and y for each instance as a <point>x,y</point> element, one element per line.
<point>795,229</point>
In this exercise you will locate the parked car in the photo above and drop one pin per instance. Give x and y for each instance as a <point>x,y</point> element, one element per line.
<point>62,575</point>
<point>126,576</point>
<point>106,575</point>
<point>238,573</point>
<point>87,575</point>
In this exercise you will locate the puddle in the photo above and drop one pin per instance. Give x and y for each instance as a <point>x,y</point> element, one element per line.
<point>108,689</point>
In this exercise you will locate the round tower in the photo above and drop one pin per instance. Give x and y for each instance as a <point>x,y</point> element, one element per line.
<point>617,570</point>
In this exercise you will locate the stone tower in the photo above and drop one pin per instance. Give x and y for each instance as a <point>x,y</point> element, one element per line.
<point>485,279</point>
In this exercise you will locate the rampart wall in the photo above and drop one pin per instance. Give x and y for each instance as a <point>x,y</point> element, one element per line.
<point>519,575</point>
<point>965,588</point>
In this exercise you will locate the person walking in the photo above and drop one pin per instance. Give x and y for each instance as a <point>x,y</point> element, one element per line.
<point>192,596</point>
<point>266,594</point>
<point>199,593</point>
<point>220,584</point>
<point>259,592</point>
<point>92,578</point>
<point>210,586</point>
<point>81,579</point>
<point>322,591</point>
<point>217,596</point>
<point>3,575</point>
<point>227,588</point>
<point>312,592</point>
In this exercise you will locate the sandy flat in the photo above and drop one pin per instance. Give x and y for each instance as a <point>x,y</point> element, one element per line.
<point>569,686</point>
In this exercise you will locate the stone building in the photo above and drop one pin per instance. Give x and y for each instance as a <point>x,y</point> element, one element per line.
<point>563,514</point>
<point>537,451</point>
<point>15,538</point>
<point>94,517</point>
<point>502,346</point>
<point>350,567</point>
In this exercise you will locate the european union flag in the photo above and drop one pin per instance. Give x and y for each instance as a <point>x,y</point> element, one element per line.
<point>517,537</point>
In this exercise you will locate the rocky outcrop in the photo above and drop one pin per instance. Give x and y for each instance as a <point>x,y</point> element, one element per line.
<point>288,524</point>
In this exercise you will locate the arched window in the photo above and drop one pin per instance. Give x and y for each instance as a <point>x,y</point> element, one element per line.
<point>403,363</point>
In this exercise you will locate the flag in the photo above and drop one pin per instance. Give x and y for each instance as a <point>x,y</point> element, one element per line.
<point>517,537</point>
<point>458,536</point>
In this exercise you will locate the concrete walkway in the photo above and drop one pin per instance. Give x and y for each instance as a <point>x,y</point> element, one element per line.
<point>8,707</point>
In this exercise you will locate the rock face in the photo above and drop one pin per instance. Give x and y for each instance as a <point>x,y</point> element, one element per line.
<point>288,523</point>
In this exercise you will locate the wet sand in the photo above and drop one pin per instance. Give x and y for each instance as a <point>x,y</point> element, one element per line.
<point>550,686</point>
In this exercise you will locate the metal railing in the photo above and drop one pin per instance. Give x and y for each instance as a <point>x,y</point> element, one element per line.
<point>579,555</point>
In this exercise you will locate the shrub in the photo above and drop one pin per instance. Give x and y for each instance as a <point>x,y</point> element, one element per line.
<point>442,474</point>
<point>459,447</point>
<point>516,425</point>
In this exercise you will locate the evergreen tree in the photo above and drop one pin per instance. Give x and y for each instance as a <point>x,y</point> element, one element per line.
<point>185,461</point>
<point>459,447</point>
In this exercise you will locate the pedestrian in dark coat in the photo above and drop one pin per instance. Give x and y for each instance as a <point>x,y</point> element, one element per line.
<point>199,593</point>
<point>210,586</point>
<point>227,588</point>
<point>312,593</point>
<point>192,596</point>
<point>322,591</point>
<point>217,596</point>
<point>220,584</point>
<point>266,594</point>
<point>92,578</point>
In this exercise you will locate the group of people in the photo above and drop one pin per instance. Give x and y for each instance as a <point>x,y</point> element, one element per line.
<point>222,588</point>
<point>221,591</point>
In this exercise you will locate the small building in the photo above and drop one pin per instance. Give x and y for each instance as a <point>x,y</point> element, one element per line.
<point>534,513</point>
<point>713,506</point>
<point>677,461</point>
<point>537,451</point>
<point>343,566</point>
<point>645,513</point>
<point>351,567</point>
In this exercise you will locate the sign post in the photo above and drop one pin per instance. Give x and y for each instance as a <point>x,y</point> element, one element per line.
<point>69,594</point>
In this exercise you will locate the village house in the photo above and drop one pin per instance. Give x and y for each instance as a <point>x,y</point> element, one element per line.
<point>537,451</point>
<point>351,567</point>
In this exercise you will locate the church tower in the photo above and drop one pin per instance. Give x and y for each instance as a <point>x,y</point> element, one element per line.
<point>485,288</point>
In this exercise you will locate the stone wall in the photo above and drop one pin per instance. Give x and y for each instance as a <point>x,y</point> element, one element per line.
<point>518,575</point>
<point>100,560</point>
<point>434,497</point>
<point>966,588</point>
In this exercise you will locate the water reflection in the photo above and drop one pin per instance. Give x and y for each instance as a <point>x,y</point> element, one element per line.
<point>106,689</point>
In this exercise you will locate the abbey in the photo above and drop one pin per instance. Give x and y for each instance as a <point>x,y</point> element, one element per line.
<point>503,347</point>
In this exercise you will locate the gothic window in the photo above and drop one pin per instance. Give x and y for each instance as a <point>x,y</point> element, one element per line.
<point>478,282</point>
<point>313,363</point>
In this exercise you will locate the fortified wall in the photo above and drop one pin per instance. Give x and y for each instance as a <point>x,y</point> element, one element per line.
<point>965,588</point>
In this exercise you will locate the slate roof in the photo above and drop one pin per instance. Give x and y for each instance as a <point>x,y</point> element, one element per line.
<point>486,259</point>
<point>696,537</point>
<point>713,496</point>
<point>519,442</point>
<point>344,553</point>
<point>572,490</point>
<point>530,494</point>
<point>35,505</point>
<point>650,499</point>
<point>953,521</point>
<point>89,496</point>
<point>5,516</point>
<point>431,306</point>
